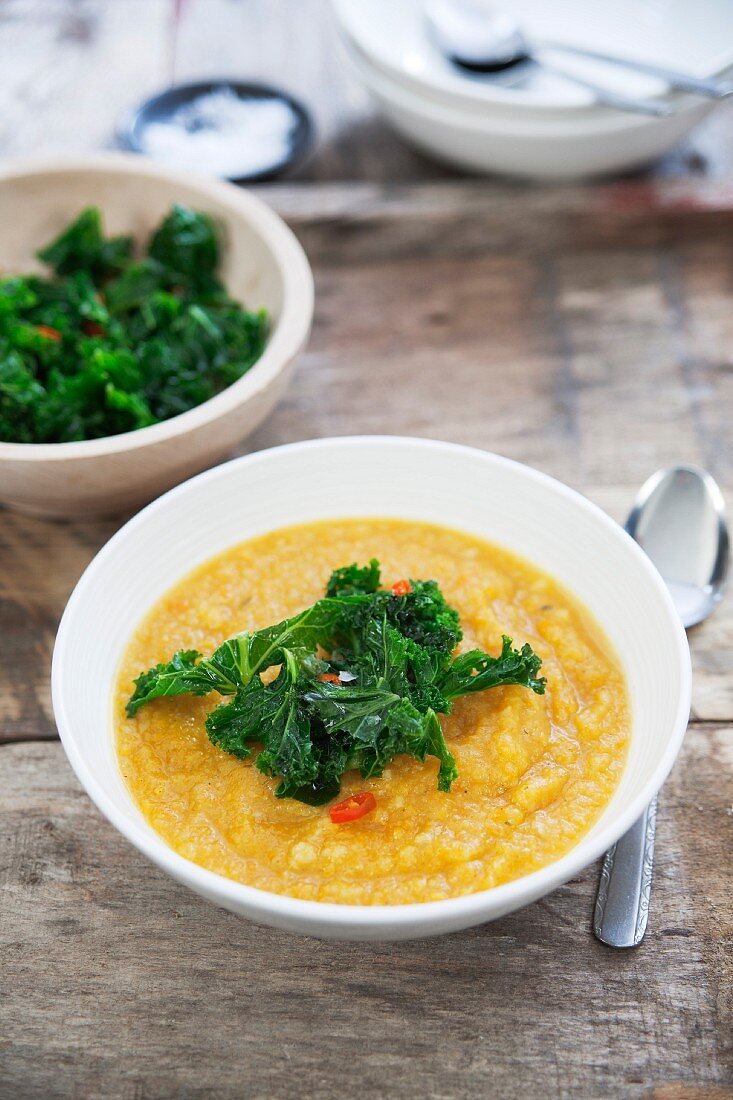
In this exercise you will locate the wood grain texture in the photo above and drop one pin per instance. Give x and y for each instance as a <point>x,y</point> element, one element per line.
<point>553,350</point>
<point>116,982</point>
<point>586,330</point>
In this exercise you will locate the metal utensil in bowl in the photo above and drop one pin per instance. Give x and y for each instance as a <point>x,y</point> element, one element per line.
<point>491,41</point>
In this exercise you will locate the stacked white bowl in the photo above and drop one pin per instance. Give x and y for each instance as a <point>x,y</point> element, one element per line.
<point>549,127</point>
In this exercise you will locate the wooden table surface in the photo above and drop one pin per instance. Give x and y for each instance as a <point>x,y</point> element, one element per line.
<point>586,330</point>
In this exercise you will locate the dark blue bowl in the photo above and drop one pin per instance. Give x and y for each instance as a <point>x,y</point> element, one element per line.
<point>161,107</point>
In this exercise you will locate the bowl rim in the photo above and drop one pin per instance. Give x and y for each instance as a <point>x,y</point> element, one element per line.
<point>285,341</point>
<point>131,127</point>
<point>484,123</point>
<point>413,917</point>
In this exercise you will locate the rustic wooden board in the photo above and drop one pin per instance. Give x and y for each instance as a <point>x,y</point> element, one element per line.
<point>116,982</point>
<point>588,331</point>
<point>567,338</point>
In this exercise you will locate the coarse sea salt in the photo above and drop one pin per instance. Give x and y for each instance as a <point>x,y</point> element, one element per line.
<point>224,134</point>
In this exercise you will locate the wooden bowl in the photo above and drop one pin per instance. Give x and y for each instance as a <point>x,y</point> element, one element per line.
<point>262,265</point>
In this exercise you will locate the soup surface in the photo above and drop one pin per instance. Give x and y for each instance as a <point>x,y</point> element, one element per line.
<point>535,771</point>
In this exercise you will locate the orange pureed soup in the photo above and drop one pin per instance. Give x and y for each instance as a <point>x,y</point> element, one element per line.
<point>535,771</point>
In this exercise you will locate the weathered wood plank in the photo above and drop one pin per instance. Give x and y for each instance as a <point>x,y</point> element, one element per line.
<point>364,221</point>
<point>40,563</point>
<point>585,330</point>
<point>704,324</point>
<point>116,982</point>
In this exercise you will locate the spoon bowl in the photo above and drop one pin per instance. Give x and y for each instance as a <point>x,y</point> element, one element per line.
<point>477,38</point>
<point>679,520</point>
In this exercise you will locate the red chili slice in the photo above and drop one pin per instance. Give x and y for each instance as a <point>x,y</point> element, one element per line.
<point>401,588</point>
<point>352,808</point>
<point>91,328</point>
<point>49,332</point>
<point>329,678</point>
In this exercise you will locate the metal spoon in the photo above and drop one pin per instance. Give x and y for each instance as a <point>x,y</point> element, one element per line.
<point>679,519</point>
<point>486,40</point>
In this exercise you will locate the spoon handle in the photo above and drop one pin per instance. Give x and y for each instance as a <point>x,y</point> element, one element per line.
<point>622,903</point>
<point>714,89</point>
<point>636,104</point>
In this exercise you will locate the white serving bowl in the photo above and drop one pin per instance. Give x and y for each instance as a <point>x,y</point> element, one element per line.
<point>262,265</point>
<point>468,489</point>
<point>693,38</point>
<point>514,145</point>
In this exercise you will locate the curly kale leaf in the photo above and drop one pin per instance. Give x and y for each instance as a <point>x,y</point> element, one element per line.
<point>239,659</point>
<point>362,712</point>
<point>389,671</point>
<point>19,395</point>
<point>353,579</point>
<point>477,671</point>
<point>83,247</point>
<point>184,674</point>
<point>186,244</point>
<point>270,714</point>
<point>424,616</point>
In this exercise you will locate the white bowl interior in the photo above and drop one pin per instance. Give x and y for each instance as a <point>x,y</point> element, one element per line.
<point>693,38</point>
<point>35,207</point>
<point>458,487</point>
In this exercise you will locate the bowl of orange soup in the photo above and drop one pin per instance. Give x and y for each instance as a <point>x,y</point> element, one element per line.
<point>273,768</point>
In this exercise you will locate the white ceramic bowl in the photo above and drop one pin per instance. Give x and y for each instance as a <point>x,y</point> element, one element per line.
<point>517,145</point>
<point>694,38</point>
<point>413,478</point>
<point>262,265</point>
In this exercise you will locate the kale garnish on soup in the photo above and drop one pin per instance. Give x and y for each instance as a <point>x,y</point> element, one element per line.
<point>362,675</point>
<point>111,342</point>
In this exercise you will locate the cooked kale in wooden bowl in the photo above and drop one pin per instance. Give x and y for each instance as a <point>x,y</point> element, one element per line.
<point>112,341</point>
<point>156,330</point>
